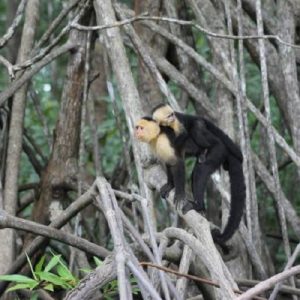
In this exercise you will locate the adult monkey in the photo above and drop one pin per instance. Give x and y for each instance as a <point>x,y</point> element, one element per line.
<point>219,150</point>
<point>171,150</point>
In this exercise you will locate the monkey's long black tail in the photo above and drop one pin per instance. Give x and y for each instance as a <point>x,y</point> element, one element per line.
<point>238,195</point>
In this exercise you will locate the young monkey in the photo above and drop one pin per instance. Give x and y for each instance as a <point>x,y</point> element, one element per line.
<point>162,142</point>
<point>219,150</point>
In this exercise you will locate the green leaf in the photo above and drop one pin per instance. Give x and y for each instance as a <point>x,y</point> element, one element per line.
<point>52,278</point>
<point>39,265</point>
<point>49,287</point>
<point>97,261</point>
<point>19,286</point>
<point>52,263</point>
<point>64,273</point>
<point>17,278</point>
<point>63,265</point>
<point>31,268</point>
<point>33,285</point>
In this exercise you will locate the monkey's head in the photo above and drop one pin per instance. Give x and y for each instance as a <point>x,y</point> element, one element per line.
<point>146,130</point>
<point>164,115</point>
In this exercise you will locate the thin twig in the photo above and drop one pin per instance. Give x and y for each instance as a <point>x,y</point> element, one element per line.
<point>183,23</point>
<point>192,277</point>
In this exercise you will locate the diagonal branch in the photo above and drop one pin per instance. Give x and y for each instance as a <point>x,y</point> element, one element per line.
<point>269,283</point>
<point>26,76</point>
<point>8,221</point>
<point>11,30</point>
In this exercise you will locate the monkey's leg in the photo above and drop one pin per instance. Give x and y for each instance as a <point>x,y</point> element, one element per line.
<point>202,171</point>
<point>200,176</point>
<point>178,173</point>
<point>166,188</point>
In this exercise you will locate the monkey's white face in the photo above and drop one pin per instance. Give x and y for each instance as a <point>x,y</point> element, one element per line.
<point>146,131</point>
<point>164,116</point>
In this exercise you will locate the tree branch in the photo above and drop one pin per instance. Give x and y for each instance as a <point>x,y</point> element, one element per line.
<point>11,30</point>
<point>8,221</point>
<point>269,283</point>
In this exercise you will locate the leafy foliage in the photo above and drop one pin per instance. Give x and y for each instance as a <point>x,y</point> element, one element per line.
<point>53,275</point>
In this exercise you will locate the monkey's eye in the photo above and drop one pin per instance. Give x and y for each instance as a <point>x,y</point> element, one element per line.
<point>171,115</point>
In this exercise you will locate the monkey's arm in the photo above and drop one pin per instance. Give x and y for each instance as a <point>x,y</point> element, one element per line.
<point>176,179</point>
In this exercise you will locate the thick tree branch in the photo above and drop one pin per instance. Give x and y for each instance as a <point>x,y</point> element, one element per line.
<point>8,221</point>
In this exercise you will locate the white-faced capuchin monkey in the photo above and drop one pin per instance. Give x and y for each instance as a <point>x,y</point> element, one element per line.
<point>160,139</point>
<point>215,148</point>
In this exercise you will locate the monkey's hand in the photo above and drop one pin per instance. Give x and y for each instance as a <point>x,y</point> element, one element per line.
<point>149,161</point>
<point>165,190</point>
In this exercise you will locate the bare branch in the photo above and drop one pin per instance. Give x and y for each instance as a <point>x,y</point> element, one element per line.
<point>269,283</point>
<point>54,42</point>
<point>288,265</point>
<point>55,23</point>
<point>11,30</point>
<point>35,68</point>
<point>191,277</point>
<point>8,221</point>
<point>185,23</point>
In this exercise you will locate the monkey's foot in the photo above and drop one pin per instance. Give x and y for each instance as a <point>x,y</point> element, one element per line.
<point>200,208</point>
<point>165,190</point>
<point>188,205</point>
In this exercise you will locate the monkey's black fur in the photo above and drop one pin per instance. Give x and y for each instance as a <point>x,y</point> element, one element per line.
<point>201,136</point>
